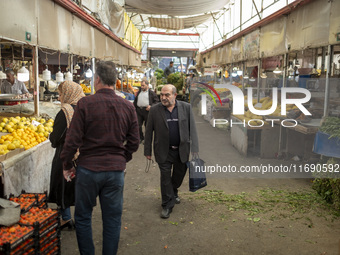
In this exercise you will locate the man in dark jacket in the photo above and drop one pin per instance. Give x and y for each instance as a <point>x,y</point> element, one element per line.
<point>143,101</point>
<point>171,127</point>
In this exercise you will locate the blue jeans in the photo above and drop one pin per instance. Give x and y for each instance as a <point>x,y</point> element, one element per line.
<point>109,187</point>
<point>66,214</point>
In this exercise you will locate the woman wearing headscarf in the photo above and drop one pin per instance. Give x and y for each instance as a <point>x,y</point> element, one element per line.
<point>62,192</point>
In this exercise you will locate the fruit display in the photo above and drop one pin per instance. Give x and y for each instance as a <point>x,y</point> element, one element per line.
<point>14,234</point>
<point>25,203</point>
<point>37,232</point>
<point>28,200</point>
<point>86,89</point>
<point>42,216</point>
<point>24,132</point>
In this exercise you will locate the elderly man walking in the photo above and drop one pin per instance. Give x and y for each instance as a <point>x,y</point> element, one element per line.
<point>105,129</point>
<point>143,101</point>
<point>171,126</point>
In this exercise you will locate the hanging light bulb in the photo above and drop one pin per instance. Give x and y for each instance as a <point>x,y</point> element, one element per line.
<point>297,64</point>
<point>252,79</point>
<point>59,76</point>
<point>88,73</point>
<point>246,76</point>
<point>46,74</point>
<point>76,67</point>
<point>264,75</point>
<point>23,74</point>
<point>277,70</point>
<point>239,72</point>
<point>2,74</point>
<point>290,70</point>
<point>75,71</point>
<point>68,76</point>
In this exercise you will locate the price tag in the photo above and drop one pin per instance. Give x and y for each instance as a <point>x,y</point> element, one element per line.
<point>36,123</point>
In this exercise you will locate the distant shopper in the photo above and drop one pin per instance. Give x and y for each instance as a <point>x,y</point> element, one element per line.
<point>169,69</point>
<point>172,128</point>
<point>153,82</point>
<point>62,192</point>
<point>12,86</point>
<point>143,101</point>
<point>105,129</point>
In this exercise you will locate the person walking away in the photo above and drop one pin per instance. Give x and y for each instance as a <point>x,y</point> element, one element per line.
<point>12,86</point>
<point>169,69</point>
<point>143,101</point>
<point>171,126</point>
<point>61,192</point>
<point>153,82</point>
<point>105,129</point>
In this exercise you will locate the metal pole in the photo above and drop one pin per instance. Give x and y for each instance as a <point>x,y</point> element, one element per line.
<point>243,73</point>
<point>92,78</point>
<point>36,84</point>
<point>259,67</point>
<point>323,60</point>
<point>327,88</point>
<point>284,69</point>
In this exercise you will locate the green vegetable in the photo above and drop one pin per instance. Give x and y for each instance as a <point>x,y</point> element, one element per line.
<point>176,79</point>
<point>331,126</point>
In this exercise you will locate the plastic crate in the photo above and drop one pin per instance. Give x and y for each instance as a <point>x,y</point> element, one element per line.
<point>41,217</point>
<point>41,198</point>
<point>25,203</point>
<point>325,146</point>
<point>13,237</point>
<point>50,246</point>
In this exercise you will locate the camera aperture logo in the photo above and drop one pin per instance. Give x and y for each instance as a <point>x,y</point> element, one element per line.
<point>239,103</point>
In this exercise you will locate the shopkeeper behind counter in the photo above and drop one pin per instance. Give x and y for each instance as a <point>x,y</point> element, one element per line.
<point>12,86</point>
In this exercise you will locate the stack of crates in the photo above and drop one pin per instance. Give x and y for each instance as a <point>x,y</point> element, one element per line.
<point>43,223</point>
<point>16,240</point>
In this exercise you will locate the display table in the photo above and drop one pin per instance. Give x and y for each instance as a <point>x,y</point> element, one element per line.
<point>298,140</point>
<point>261,140</point>
<point>29,170</point>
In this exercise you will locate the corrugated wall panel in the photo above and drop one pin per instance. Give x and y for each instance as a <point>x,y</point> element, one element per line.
<point>251,45</point>
<point>99,44</point>
<point>18,17</point>
<point>237,50</point>
<point>309,26</point>
<point>47,25</point>
<point>334,27</point>
<point>273,39</point>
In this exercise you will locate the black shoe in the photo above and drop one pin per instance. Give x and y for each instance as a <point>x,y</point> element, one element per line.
<point>177,200</point>
<point>166,213</point>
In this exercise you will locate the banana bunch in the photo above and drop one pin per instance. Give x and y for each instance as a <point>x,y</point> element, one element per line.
<point>86,89</point>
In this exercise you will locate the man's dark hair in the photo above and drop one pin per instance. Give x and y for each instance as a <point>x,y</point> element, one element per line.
<point>10,71</point>
<point>146,82</point>
<point>171,62</point>
<point>106,70</point>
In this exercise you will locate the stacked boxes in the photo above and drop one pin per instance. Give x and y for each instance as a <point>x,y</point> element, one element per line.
<point>37,232</point>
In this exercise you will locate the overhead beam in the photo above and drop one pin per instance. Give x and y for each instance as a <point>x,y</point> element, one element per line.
<point>164,33</point>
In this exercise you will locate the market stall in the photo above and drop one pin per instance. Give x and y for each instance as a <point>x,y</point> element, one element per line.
<point>29,170</point>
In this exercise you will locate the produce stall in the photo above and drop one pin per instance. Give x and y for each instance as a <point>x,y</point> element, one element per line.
<point>25,154</point>
<point>29,170</point>
<point>247,139</point>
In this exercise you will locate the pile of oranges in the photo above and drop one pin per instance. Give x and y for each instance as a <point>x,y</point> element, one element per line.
<point>13,233</point>
<point>37,215</point>
<point>24,132</point>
